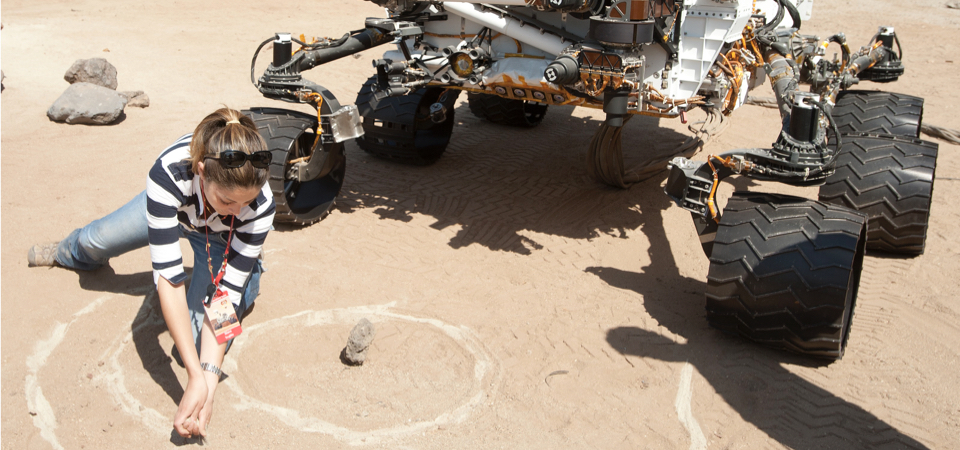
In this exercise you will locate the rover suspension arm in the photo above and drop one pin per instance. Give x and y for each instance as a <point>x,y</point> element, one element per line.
<point>282,79</point>
<point>802,154</point>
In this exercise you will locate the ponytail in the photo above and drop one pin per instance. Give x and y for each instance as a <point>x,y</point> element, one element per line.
<point>227,129</point>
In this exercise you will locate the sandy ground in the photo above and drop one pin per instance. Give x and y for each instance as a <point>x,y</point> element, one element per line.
<point>518,303</point>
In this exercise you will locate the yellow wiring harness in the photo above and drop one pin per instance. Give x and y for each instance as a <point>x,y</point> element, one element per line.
<point>737,165</point>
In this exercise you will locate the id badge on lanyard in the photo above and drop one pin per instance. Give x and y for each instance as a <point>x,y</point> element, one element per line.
<point>221,314</point>
<point>217,305</point>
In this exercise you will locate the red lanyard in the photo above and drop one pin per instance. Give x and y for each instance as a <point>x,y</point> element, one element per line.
<point>206,229</point>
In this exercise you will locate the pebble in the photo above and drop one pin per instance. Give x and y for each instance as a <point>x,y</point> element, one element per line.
<point>136,98</point>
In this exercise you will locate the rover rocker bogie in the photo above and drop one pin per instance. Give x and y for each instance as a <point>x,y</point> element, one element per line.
<point>517,59</point>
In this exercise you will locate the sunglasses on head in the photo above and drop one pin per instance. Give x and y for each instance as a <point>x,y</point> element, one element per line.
<point>234,158</point>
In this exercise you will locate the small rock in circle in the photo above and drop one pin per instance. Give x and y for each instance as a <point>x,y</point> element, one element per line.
<point>95,70</point>
<point>953,5</point>
<point>355,353</point>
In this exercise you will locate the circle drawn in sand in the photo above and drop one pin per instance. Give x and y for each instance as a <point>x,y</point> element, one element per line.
<point>440,374</point>
<point>475,385</point>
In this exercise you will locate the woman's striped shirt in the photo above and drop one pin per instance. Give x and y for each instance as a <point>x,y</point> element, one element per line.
<point>173,198</point>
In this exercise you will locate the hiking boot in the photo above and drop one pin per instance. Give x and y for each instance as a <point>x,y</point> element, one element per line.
<point>42,255</point>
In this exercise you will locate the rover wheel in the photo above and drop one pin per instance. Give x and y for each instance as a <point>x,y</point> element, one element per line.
<point>878,113</point>
<point>290,135</point>
<point>401,128</point>
<point>785,271</point>
<point>505,111</point>
<point>890,180</point>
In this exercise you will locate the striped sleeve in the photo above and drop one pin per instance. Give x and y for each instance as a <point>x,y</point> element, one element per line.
<point>164,197</point>
<point>252,226</point>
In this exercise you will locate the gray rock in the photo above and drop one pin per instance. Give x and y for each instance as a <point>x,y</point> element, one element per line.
<point>136,98</point>
<point>86,103</point>
<point>361,337</point>
<point>95,70</point>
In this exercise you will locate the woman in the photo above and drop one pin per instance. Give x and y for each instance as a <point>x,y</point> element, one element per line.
<point>210,187</point>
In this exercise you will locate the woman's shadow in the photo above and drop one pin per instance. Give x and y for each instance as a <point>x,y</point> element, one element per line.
<point>146,328</point>
<point>750,378</point>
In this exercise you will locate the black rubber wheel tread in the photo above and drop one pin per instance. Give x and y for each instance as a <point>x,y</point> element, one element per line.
<point>506,111</point>
<point>284,131</point>
<point>397,128</point>
<point>878,113</point>
<point>890,180</point>
<point>785,271</point>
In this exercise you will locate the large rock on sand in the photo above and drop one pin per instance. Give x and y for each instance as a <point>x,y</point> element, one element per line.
<point>86,103</point>
<point>94,70</point>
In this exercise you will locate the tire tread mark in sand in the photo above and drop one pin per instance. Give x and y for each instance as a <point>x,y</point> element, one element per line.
<point>524,150</point>
<point>792,409</point>
<point>495,185</point>
<point>875,310</point>
<point>875,322</point>
<point>492,215</point>
<point>381,248</point>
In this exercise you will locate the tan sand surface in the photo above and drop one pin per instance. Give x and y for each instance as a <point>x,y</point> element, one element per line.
<point>518,303</point>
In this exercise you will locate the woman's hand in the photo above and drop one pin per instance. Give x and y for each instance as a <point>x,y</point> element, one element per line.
<point>211,380</point>
<point>173,303</point>
<point>205,413</point>
<point>187,421</point>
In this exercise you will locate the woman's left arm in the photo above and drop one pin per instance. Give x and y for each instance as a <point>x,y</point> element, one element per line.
<point>210,352</point>
<point>244,250</point>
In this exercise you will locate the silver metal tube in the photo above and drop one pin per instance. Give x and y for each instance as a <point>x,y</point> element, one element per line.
<point>494,2</point>
<point>528,34</point>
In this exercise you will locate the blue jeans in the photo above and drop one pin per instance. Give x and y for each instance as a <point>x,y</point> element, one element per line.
<point>125,229</point>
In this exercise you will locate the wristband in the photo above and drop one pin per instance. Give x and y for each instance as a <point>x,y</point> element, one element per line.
<point>211,368</point>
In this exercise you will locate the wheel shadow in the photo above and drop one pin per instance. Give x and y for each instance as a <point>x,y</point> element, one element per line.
<point>752,379</point>
<point>495,181</point>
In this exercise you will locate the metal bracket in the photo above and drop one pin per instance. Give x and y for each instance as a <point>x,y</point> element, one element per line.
<point>340,126</point>
<point>345,124</point>
<point>688,185</point>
